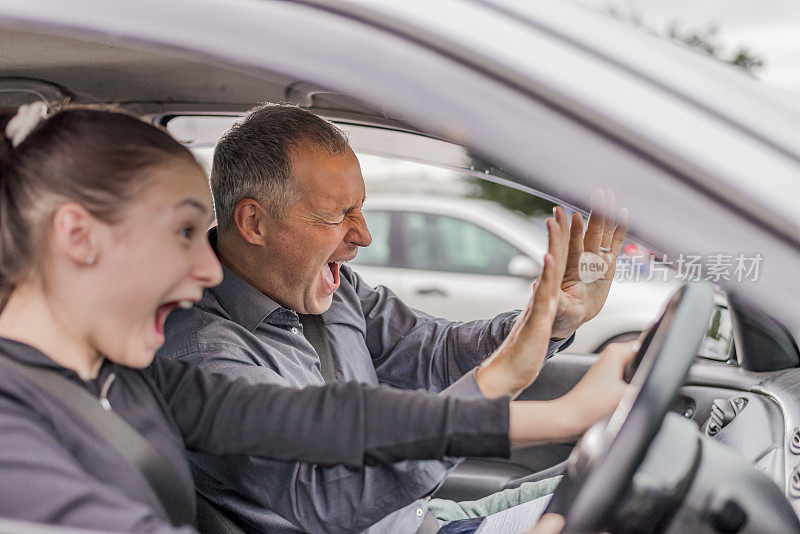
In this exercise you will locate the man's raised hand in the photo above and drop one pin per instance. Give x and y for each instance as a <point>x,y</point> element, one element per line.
<point>517,361</point>
<point>580,300</point>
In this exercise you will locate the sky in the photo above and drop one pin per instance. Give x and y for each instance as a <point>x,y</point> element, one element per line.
<point>770,29</point>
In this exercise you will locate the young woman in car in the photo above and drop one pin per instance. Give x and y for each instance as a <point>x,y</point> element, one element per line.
<point>102,234</point>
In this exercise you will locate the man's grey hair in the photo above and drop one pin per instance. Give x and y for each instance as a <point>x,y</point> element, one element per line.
<point>253,159</point>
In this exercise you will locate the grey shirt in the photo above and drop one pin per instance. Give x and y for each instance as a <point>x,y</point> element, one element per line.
<point>375,338</point>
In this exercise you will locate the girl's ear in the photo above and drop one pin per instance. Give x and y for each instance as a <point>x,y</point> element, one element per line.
<point>74,233</point>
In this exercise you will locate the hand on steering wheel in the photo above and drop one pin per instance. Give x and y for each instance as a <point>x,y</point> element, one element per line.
<point>604,461</point>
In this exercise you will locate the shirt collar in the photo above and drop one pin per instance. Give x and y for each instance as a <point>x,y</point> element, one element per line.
<point>244,304</point>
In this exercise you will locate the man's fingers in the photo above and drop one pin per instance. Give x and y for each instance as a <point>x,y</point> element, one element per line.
<point>558,231</point>
<point>608,219</point>
<point>547,288</point>
<point>620,232</point>
<point>594,228</point>
<point>544,290</point>
<point>575,244</point>
<point>561,256</point>
<point>553,250</point>
<point>556,245</point>
<point>563,227</point>
<point>553,235</point>
<point>544,304</point>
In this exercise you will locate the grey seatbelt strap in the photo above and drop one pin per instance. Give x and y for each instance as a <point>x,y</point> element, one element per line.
<point>158,473</point>
<point>314,330</point>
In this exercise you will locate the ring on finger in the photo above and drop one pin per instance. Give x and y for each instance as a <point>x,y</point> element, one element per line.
<point>604,249</point>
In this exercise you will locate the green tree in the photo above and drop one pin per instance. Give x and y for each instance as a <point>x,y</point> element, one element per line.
<point>491,185</point>
<point>705,39</point>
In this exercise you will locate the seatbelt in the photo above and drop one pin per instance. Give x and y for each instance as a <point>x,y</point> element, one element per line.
<point>158,473</point>
<point>314,330</point>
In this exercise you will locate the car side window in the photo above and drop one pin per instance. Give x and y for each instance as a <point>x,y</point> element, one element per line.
<point>419,242</point>
<point>379,252</point>
<point>443,243</point>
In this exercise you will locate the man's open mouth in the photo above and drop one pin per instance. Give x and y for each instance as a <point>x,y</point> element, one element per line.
<point>330,273</point>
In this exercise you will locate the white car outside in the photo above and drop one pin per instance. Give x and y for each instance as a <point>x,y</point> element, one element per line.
<point>465,259</point>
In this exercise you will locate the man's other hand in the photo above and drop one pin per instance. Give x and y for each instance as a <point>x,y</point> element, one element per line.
<point>579,301</point>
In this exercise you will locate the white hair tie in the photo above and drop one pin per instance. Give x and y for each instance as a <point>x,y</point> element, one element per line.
<point>23,123</point>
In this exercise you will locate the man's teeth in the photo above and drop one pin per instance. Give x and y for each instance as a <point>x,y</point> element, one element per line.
<point>185,304</point>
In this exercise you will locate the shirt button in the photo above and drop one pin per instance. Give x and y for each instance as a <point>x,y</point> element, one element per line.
<point>419,512</point>
<point>295,330</point>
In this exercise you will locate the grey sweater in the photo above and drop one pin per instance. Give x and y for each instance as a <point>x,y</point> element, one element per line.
<point>55,469</point>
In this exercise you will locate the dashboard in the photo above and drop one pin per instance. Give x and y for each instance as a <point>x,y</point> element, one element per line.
<point>756,415</point>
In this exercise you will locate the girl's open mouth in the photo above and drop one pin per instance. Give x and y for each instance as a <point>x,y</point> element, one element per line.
<point>163,311</point>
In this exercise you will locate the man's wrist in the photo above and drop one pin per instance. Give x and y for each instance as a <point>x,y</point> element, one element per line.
<point>497,378</point>
<point>565,333</point>
<point>561,336</point>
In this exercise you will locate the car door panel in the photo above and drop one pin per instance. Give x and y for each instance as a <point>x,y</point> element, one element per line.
<point>476,477</point>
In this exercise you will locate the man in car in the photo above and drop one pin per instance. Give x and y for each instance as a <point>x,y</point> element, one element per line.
<point>288,193</point>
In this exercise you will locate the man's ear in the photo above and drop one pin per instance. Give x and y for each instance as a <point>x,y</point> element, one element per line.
<point>251,221</point>
<point>75,233</point>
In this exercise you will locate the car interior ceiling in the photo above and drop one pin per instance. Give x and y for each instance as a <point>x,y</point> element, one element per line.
<point>745,402</point>
<point>150,82</point>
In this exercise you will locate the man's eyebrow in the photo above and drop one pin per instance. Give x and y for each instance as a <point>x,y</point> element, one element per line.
<point>354,206</point>
<point>194,204</point>
<point>334,212</point>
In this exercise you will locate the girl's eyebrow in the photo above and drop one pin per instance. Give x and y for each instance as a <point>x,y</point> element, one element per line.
<point>194,204</point>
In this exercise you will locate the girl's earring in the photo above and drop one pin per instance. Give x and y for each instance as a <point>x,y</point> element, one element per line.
<point>90,260</point>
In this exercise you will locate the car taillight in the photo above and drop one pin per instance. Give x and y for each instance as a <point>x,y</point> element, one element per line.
<point>630,249</point>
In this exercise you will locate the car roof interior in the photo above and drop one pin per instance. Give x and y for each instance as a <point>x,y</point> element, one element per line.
<point>151,82</point>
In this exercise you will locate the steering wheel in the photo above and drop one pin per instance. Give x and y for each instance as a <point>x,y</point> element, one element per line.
<point>602,464</point>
